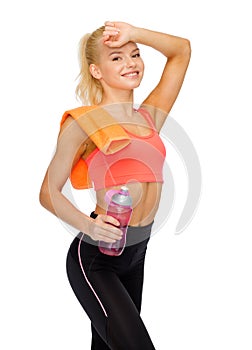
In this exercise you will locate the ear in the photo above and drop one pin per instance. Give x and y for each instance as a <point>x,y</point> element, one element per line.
<point>95,71</point>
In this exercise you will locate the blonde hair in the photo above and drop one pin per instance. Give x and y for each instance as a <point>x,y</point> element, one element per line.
<point>89,90</point>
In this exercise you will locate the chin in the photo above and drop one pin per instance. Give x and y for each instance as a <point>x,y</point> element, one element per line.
<point>134,83</point>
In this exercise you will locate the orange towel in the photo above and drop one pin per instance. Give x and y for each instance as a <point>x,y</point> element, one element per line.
<point>103,130</point>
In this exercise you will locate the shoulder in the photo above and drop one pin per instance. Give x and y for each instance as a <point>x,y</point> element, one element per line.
<point>70,117</point>
<point>69,126</point>
<point>75,113</point>
<point>71,133</point>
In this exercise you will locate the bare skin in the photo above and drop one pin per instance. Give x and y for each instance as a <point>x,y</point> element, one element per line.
<point>120,70</point>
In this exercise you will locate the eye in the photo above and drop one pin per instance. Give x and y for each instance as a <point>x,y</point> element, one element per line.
<point>116,58</point>
<point>136,55</point>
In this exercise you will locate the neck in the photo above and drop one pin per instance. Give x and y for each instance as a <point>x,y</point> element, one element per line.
<point>122,111</point>
<point>117,97</point>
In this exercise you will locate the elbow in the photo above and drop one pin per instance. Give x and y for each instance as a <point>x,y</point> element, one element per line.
<point>187,48</point>
<point>182,51</point>
<point>43,196</point>
<point>46,195</point>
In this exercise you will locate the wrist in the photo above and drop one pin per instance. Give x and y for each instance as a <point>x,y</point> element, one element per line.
<point>134,34</point>
<point>141,36</point>
<point>87,224</point>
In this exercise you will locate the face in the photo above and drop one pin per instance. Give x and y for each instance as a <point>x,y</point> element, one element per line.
<point>119,68</point>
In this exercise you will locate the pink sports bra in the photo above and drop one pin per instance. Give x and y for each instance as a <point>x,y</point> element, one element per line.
<point>141,160</point>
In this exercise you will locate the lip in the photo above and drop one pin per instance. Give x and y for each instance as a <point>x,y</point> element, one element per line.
<point>132,74</point>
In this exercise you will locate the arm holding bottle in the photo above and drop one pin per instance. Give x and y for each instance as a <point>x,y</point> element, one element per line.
<point>71,146</point>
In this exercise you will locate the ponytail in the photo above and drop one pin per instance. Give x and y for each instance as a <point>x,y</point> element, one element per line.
<point>89,90</point>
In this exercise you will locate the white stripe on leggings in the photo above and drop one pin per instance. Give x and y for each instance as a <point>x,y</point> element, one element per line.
<point>84,274</point>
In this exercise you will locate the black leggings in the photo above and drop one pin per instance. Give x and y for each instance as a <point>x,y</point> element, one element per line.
<point>110,290</point>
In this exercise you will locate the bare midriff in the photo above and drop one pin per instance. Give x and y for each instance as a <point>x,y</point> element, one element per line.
<point>145,197</point>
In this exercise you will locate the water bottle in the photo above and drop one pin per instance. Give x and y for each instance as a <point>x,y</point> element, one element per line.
<point>120,207</point>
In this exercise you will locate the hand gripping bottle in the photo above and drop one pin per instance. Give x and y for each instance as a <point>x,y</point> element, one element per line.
<point>120,207</point>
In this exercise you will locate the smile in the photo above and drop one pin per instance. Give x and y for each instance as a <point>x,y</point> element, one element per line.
<point>131,74</point>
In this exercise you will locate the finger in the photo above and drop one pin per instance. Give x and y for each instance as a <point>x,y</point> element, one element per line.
<point>106,239</point>
<point>110,32</point>
<point>103,218</point>
<point>110,235</point>
<point>105,38</point>
<point>111,220</point>
<point>112,44</point>
<point>111,27</point>
<point>107,226</point>
<point>109,23</point>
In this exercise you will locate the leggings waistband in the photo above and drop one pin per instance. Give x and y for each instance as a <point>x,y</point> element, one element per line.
<point>135,234</point>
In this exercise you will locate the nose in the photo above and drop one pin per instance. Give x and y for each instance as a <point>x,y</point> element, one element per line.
<point>130,62</point>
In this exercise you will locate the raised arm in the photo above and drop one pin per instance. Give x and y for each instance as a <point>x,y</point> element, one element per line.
<point>177,51</point>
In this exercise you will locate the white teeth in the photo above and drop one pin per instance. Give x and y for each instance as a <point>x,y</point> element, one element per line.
<point>130,74</point>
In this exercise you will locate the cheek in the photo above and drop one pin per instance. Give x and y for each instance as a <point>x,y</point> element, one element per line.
<point>109,70</point>
<point>142,65</point>
<point>142,68</point>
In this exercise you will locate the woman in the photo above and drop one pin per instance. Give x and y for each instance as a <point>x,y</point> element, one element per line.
<point>110,288</point>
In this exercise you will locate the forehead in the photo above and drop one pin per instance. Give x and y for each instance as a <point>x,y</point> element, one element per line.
<point>125,49</point>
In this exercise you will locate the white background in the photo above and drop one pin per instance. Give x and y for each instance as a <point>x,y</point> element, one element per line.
<point>197,292</point>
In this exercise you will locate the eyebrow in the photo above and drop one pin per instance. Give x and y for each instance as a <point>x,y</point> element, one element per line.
<point>120,52</point>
